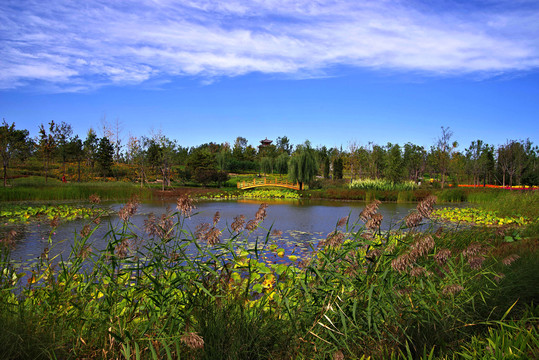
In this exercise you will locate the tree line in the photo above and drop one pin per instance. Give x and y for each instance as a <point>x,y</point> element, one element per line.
<point>156,156</point>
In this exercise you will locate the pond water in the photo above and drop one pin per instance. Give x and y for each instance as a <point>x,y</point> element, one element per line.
<point>303,223</point>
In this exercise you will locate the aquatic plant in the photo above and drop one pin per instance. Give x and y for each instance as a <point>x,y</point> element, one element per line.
<point>382,184</point>
<point>48,212</point>
<point>478,217</point>
<point>360,293</point>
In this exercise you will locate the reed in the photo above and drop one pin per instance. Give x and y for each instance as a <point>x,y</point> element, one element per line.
<point>222,292</point>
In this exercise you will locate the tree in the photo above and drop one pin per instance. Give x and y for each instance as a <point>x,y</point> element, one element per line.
<point>302,166</point>
<point>63,135</point>
<point>395,165</point>
<point>323,160</point>
<point>473,155</point>
<point>338,168</point>
<point>444,148</point>
<point>414,159</point>
<point>266,165</point>
<point>281,163</point>
<point>221,159</point>
<point>283,144</point>
<point>160,155</point>
<point>117,140</point>
<point>239,148</point>
<point>530,172</point>
<point>377,161</point>
<point>47,144</point>
<point>459,168</point>
<point>205,176</point>
<point>354,157</point>
<point>136,155</point>
<point>12,143</point>
<point>76,152</point>
<point>487,163</point>
<point>326,167</point>
<point>90,147</point>
<point>105,156</point>
<point>511,158</point>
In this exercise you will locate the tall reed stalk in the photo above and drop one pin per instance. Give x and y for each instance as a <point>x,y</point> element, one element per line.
<point>222,292</point>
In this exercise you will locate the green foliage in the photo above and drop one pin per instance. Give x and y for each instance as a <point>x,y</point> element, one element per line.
<point>452,195</point>
<point>206,176</point>
<point>381,184</point>
<point>507,203</point>
<point>302,166</point>
<point>271,194</point>
<point>503,340</point>
<point>267,193</point>
<point>47,144</point>
<point>35,189</point>
<point>338,168</point>
<point>266,165</point>
<point>13,143</point>
<point>394,170</point>
<point>281,163</point>
<point>90,146</point>
<point>104,156</point>
<point>171,294</point>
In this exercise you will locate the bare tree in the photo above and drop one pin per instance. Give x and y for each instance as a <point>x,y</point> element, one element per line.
<point>106,128</point>
<point>117,140</point>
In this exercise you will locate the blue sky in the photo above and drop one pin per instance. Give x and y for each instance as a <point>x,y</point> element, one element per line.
<point>330,71</point>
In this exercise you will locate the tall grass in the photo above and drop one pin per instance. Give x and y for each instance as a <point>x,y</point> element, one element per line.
<point>382,184</point>
<point>221,293</point>
<point>525,203</point>
<point>35,189</point>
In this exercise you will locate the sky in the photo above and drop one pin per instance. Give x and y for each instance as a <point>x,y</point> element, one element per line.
<point>333,72</point>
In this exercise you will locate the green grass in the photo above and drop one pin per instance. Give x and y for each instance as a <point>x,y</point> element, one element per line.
<point>524,203</point>
<point>36,189</point>
<point>383,295</point>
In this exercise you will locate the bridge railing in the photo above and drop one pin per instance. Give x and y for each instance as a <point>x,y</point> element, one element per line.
<point>265,182</point>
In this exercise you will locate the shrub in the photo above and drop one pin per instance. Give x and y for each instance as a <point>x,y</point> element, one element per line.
<point>382,184</point>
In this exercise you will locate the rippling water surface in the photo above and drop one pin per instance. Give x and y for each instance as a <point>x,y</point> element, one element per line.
<point>303,223</point>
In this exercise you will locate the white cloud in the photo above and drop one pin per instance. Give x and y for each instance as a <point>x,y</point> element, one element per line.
<point>95,43</point>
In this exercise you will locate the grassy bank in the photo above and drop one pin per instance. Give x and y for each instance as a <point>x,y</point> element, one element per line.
<point>361,294</point>
<point>36,189</point>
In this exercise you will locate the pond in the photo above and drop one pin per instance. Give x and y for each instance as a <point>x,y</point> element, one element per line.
<point>303,223</point>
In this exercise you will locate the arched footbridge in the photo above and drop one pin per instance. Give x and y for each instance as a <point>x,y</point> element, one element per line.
<point>265,182</point>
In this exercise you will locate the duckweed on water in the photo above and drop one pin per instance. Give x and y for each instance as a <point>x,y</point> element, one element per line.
<point>48,212</point>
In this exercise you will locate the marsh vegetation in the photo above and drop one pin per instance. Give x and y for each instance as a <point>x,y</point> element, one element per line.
<point>213,292</point>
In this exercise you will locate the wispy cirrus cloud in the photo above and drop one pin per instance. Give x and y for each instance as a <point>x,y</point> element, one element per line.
<point>73,46</point>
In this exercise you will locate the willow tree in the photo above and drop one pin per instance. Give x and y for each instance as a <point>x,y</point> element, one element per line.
<point>302,166</point>
<point>266,165</point>
<point>281,163</point>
